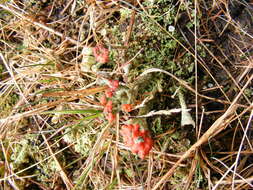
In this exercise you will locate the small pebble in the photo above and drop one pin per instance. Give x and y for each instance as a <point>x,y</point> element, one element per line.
<point>210,85</point>
<point>171,28</point>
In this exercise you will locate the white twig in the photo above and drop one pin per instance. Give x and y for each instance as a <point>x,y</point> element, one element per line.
<point>161,112</point>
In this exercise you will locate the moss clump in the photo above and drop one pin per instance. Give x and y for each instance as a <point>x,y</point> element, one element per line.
<point>160,44</point>
<point>7,103</point>
<point>27,152</point>
<point>83,140</point>
<point>20,153</point>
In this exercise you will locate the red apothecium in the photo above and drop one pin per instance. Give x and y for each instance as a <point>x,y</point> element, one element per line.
<point>137,139</point>
<point>101,54</point>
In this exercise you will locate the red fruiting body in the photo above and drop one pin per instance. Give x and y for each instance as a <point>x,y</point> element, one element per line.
<point>114,84</point>
<point>108,93</point>
<point>142,146</point>
<point>138,140</point>
<point>108,111</point>
<point>135,137</point>
<point>111,117</point>
<point>126,132</point>
<point>101,54</point>
<point>108,107</point>
<point>103,100</point>
<point>126,107</point>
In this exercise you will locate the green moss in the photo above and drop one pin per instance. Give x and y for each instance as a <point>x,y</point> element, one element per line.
<point>7,103</point>
<point>248,92</point>
<point>82,139</point>
<point>20,154</point>
<point>159,48</point>
<point>27,152</point>
<point>156,126</point>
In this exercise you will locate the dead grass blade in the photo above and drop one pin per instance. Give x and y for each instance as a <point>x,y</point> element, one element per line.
<point>83,92</point>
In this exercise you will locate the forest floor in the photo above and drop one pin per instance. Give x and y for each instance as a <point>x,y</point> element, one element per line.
<point>126,94</point>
